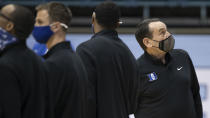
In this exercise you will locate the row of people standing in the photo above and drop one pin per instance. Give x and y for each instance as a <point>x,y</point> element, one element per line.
<point>103,80</point>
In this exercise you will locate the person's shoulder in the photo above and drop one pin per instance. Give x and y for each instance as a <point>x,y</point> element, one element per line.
<point>85,45</point>
<point>7,61</point>
<point>6,69</point>
<point>4,61</point>
<point>141,61</point>
<point>93,41</point>
<point>141,58</point>
<point>28,54</point>
<point>92,45</point>
<point>60,56</point>
<point>179,52</point>
<point>9,56</point>
<point>63,61</point>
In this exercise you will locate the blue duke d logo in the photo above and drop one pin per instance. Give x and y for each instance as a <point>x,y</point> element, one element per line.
<point>152,76</point>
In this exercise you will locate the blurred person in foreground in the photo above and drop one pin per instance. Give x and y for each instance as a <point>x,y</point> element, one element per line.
<point>111,67</point>
<point>22,78</point>
<point>169,86</point>
<point>66,75</point>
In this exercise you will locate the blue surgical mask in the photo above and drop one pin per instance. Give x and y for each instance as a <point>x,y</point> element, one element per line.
<point>42,33</point>
<point>6,38</point>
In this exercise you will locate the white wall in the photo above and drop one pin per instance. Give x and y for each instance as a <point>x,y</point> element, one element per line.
<point>204,80</point>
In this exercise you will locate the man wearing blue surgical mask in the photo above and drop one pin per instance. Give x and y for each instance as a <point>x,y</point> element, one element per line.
<point>66,75</point>
<point>22,77</point>
<point>46,31</point>
<point>169,86</point>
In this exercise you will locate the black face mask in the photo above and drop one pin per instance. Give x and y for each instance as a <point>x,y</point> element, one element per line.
<point>167,44</point>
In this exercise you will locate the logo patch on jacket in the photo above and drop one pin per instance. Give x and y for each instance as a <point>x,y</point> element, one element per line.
<point>152,76</point>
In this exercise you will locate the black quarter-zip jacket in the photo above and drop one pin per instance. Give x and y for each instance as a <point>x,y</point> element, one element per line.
<point>168,90</point>
<point>22,83</point>
<point>66,78</point>
<point>112,73</point>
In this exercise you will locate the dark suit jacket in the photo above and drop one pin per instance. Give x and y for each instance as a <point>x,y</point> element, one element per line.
<point>22,83</point>
<point>66,82</point>
<point>112,73</point>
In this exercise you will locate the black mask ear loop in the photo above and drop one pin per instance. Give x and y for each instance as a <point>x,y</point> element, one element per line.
<point>156,41</point>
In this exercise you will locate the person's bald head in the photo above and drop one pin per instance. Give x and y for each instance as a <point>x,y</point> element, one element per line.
<point>8,10</point>
<point>17,20</point>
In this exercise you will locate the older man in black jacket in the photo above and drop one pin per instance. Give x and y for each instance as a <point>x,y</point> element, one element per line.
<point>169,85</point>
<point>22,77</point>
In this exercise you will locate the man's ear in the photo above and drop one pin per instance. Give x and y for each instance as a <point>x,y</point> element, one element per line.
<point>9,27</point>
<point>119,23</point>
<point>55,27</point>
<point>93,17</point>
<point>147,42</point>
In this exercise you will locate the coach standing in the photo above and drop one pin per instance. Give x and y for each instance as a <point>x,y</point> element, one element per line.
<point>169,85</point>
